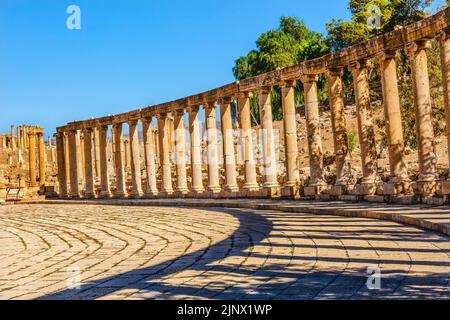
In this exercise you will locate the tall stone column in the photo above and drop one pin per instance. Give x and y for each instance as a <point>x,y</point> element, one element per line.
<point>268,145</point>
<point>366,132</point>
<point>424,125</point>
<point>229,157</point>
<point>61,159</point>
<point>13,139</point>
<point>19,137</point>
<point>97,152</point>
<point>67,161</point>
<point>445,67</point>
<point>245,123</point>
<point>41,155</point>
<point>32,158</point>
<point>80,163</point>
<point>88,163</point>
<point>212,152</point>
<point>150,167</point>
<point>104,175</point>
<point>180,151</point>
<point>196,150</point>
<point>164,145</point>
<point>73,155</point>
<point>398,168</point>
<point>317,182</point>
<point>135,160</point>
<point>290,133</point>
<point>338,125</point>
<point>119,161</point>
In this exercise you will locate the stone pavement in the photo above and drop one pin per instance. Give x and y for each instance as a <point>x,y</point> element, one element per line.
<point>161,252</point>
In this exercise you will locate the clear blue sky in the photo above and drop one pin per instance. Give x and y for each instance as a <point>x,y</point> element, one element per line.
<point>128,54</point>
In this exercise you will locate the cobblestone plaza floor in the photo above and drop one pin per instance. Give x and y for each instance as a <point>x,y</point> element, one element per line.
<point>132,252</point>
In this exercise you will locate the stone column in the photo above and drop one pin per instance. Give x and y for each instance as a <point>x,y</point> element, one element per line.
<point>212,152</point>
<point>127,146</point>
<point>150,167</point>
<point>67,161</point>
<point>103,137</point>
<point>19,137</point>
<point>97,153</point>
<point>135,160</point>
<point>398,170</point>
<point>80,163</point>
<point>32,158</point>
<point>13,139</point>
<point>290,133</point>
<point>41,152</point>
<point>424,124</point>
<point>73,155</point>
<point>61,159</point>
<point>268,146</point>
<point>164,145</point>
<point>317,182</point>
<point>119,161</point>
<point>229,157</point>
<point>366,132</point>
<point>245,123</point>
<point>445,67</point>
<point>88,163</point>
<point>180,152</point>
<point>196,150</point>
<point>338,125</point>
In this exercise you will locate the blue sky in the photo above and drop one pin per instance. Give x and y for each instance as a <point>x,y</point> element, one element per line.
<point>128,54</point>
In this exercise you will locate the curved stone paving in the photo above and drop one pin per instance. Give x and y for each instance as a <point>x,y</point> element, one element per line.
<point>184,253</point>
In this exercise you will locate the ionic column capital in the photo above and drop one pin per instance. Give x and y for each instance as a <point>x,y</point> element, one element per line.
<point>360,64</point>
<point>444,35</point>
<point>225,100</point>
<point>309,78</point>
<point>178,112</point>
<point>419,45</point>
<point>244,95</point>
<point>265,89</point>
<point>335,72</point>
<point>288,83</point>
<point>388,55</point>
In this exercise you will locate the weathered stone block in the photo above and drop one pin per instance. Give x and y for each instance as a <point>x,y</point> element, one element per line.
<point>374,198</point>
<point>291,192</point>
<point>445,187</point>
<point>310,191</point>
<point>338,190</point>
<point>348,197</point>
<point>366,189</point>
<point>425,188</point>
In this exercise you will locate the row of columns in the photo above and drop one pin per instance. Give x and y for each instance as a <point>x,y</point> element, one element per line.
<point>399,180</point>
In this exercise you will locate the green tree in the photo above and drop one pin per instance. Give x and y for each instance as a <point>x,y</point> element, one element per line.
<point>291,43</point>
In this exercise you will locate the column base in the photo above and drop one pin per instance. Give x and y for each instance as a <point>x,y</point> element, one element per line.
<point>90,195</point>
<point>424,188</point>
<point>136,195</point>
<point>105,195</point>
<point>120,195</point>
<point>338,190</point>
<point>150,195</point>
<point>366,189</point>
<point>214,189</point>
<point>166,194</point>
<point>251,187</point>
<point>291,192</point>
<point>272,192</point>
<point>395,187</point>
<point>314,190</point>
<point>231,189</point>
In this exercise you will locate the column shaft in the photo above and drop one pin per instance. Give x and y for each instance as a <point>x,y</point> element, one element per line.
<point>397,163</point>
<point>104,174</point>
<point>164,145</point>
<point>245,123</point>
<point>212,151</point>
<point>119,161</point>
<point>180,152</point>
<point>313,130</point>
<point>88,163</point>
<point>61,160</point>
<point>97,152</point>
<point>73,165</point>
<point>41,152</point>
<point>290,134</point>
<point>150,167</point>
<point>366,132</point>
<point>268,147</point>
<point>445,67</point>
<point>229,156</point>
<point>336,94</point>
<point>135,160</point>
<point>422,104</point>
<point>196,151</point>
